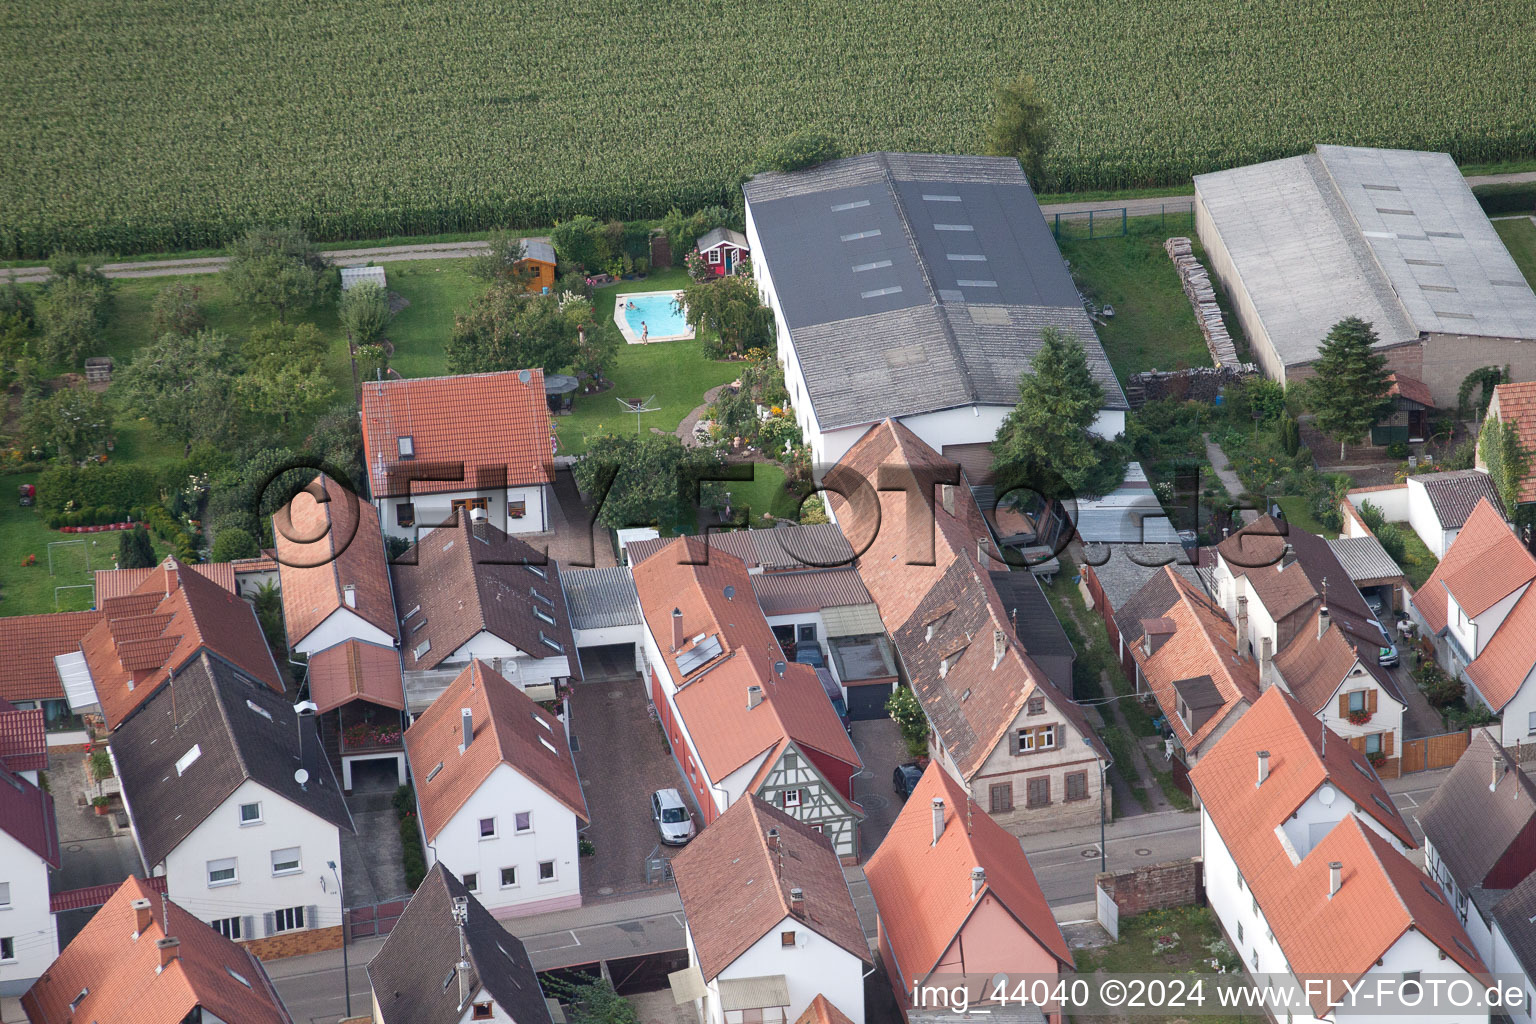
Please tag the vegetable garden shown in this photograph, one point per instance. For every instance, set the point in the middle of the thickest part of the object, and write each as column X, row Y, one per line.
column 171, row 124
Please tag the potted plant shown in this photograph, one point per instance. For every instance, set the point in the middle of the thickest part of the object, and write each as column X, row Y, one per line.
column 1358, row 717
column 1377, row 759
column 100, row 805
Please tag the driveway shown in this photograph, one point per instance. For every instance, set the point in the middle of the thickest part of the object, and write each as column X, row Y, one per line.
column 575, row 540
column 880, row 747
column 372, row 858
column 1420, row 719
column 91, row 852
column 622, row 758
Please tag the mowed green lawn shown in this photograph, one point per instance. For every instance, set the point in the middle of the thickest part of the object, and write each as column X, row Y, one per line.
column 1519, row 235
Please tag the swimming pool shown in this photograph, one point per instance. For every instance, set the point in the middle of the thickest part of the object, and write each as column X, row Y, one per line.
column 653, row 317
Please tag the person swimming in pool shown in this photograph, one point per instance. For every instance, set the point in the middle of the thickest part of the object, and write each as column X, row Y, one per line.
column 630, row 304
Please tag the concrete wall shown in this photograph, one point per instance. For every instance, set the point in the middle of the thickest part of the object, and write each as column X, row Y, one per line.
column 25, row 920
column 553, row 837
column 1174, row 883
column 341, row 625
column 257, row 891
column 1223, row 270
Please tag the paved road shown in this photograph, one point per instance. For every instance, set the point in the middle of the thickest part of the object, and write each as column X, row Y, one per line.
column 458, row 250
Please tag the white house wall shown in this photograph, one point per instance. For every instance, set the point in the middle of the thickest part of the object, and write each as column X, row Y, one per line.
column 26, row 919
column 814, row 965
column 341, row 625
column 1519, row 721
column 1488, row 622
column 257, row 891
column 1301, row 828
column 1388, row 716
column 435, row 509
column 501, row 796
column 510, row 660
column 613, row 635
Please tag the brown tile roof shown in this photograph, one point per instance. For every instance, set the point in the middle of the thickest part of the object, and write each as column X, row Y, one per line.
column 785, row 593
column 28, row 645
column 1383, row 894
column 23, row 739
column 117, row 582
column 735, row 889
column 1516, row 915
column 1413, row 390
column 1454, row 494
column 242, row 731
column 123, row 984
column 1485, row 564
column 712, row 695
column 407, row 972
column 1506, row 662
column 331, row 556
column 1203, row 644
column 264, row 562
column 467, row 577
column 1480, row 834
column 356, row 670
column 1314, row 666
column 495, row 424
column 1517, row 405
column 508, row 728
column 26, row 815
column 1257, row 551
column 822, row 1012
column 148, row 635
column 923, row 888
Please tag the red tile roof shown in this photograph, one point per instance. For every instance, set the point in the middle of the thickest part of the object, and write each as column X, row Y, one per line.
column 1203, row 643
column 712, row 696
column 331, row 556
column 121, row 980
column 28, row 645
column 26, row 815
column 1516, row 404
column 508, row 728
column 23, row 739
column 1485, row 564
column 496, row 424
column 923, row 888
column 117, row 582
column 1381, row 896
column 1507, row 659
column 821, row 1011
column 735, row 887
column 146, row 636
column 265, row 562
column 1314, row 666
column 356, row 670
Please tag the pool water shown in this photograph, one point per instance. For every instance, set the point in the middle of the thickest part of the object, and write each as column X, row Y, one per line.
column 656, row 311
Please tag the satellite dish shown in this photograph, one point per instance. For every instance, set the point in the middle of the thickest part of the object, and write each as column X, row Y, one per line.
column 1325, row 796
column 730, row 593
column 524, row 376
column 301, row 776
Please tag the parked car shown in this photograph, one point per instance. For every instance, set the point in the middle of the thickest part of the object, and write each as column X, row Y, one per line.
column 671, row 816
column 1374, row 603
column 808, row 652
column 1387, row 657
column 835, row 695
column 905, row 778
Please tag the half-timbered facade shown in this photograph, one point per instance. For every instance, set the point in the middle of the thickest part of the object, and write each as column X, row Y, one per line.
column 741, row 719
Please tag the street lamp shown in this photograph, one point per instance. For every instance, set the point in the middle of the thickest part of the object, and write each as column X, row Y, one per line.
column 346, row 974
column 1105, row 764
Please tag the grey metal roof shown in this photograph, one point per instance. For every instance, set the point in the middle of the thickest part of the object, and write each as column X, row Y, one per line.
column 601, row 598
column 913, row 283
column 1392, row 236
column 1455, row 493
column 713, row 238
column 538, row 249
column 787, row 593
column 815, row 545
column 1364, row 558
column 1199, row 693
column 1433, row 241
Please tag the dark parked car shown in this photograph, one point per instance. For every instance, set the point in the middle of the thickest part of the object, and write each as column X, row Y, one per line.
column 835, row 695
column 905, row 778
column 808, row 652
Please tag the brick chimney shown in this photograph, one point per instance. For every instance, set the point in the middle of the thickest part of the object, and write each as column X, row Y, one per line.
column 677, row 628
column 169, row 949
column 1244, row 645
column 467, row 724
column 773, row 839
column 1266, row 652
column 797, row 901
column 1263, row 768
column 938, row 819
column 143, row 915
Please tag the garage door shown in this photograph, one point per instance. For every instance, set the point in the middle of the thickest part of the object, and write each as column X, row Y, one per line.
column 607, row 661
column 867, row 702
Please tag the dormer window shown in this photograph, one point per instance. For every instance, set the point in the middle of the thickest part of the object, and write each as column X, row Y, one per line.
column 949, row 663
column 406, row 446
column 543, row 616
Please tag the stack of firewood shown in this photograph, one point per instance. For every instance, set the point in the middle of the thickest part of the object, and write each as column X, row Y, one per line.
column 1202, row 295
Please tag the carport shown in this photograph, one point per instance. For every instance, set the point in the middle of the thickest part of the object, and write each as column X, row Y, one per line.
column 605, row 621
column 1374, row 572
column 862, row 658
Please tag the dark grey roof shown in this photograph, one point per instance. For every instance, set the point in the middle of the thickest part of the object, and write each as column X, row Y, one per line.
column 409, row 971
column 1516, row 915
column 818, row 545
column 713, row 238
column 538, row 249
column 913, row 283
column 242, row 730
column 1034, row 621
column 1123, row 578
column 1454, row 494
column 1199, row 693
column 1471, row 826
column 601, row 598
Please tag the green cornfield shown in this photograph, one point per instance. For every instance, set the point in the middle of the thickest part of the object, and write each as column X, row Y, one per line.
column 149, row 125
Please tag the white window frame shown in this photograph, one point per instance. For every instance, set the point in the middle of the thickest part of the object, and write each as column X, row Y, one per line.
column 1530, row 726
column 258, row 820
column 518, row 829
column 502, row 877
column 1048, row 736
column 715, row 256
column 1379, row 746
column 554, row 872
column 230, row 927
column 492, row 834
column 294, row 914
column 471, row 881
column 792, row 798
column 233, row 866
column 298, row 862
column 1364, row 703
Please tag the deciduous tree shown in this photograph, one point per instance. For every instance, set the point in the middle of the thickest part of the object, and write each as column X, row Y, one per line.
column 72, row 423
column 732, row 309
column 510, row 330
column 176, row 310
column 72, row 313
column 654, row 479
column 1021, row 127
column 233, row 543
column 181, row 384
column 279, row 269
column 498, row 262
column 364, row 313
column 1347, row 391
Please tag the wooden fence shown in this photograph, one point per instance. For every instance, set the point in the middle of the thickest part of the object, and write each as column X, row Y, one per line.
column 1430, row 752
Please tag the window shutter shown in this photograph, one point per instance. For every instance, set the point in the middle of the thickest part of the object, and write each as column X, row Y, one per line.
column 268, row 923
column 1344, row 705
column 1370, row 700
column 1386, row 744
column 1358, row 742
column 1013, row 742
column 312, row 916
column 248, row 927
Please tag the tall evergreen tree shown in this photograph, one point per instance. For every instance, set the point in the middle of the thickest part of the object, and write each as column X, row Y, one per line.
column 135, row 550
column 1347, row 391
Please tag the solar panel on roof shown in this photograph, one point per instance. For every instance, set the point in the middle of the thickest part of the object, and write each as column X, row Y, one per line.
column 953, row 227
column 977, row 284
column 965, row 257
column 698, row 655
column 940, row 199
